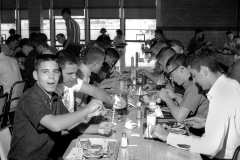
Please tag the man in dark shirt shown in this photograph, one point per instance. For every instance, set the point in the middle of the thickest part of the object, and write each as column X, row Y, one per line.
column 111, row 59
column 28, row 67
column 195, row 42
column 41, row 117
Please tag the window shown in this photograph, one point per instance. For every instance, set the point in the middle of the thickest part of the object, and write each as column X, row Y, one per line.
column 137, row 27
column 25, row 28
column 111, row 26
column 60, row 26
column 5, row 27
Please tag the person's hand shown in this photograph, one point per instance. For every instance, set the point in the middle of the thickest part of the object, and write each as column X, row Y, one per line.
column 94, row 105
column 121, row 104
column 159, row 132
column 160, row 80
column 163, row 94
column 124, row 76
column 196, row 122
column 105, row 128
column 148, row 87
column 170, row 93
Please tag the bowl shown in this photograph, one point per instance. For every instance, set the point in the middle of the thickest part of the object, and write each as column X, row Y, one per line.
column 152, row 107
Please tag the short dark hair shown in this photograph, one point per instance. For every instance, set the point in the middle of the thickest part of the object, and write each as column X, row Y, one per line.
column 119, row 31
column 174, row 42
column 41, row 39
column 198, row 30
column 12, row 31
column 11, row 39
column 159, row 31
column 68, row 57
column 25, row 42
column 42, row 58
column 163, row 52
column 236, row 37
column 60, row 34
column 92, row 55
column 112, row 53
column 203, row 57
column 66, row 10
column 228, row 32
column 177, row 60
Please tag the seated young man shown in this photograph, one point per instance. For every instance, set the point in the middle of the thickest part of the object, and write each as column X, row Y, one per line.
column 222, row 128
column 28, row 66
column 40, row 115
column 112, row 57
column 192, row 103
column 70, row 83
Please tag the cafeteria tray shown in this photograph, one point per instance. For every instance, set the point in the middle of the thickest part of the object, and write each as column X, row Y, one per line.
column 112, row 143
column 169, row 124
column 167, row 115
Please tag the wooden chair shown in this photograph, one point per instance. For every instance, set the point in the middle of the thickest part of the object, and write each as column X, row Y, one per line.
column 4, row 108
column 5, row 140
column 16, row 92
column 236, row 156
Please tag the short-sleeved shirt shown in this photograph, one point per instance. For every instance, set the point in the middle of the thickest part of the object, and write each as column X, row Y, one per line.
column 30, row 139
column 195, row 102
column 67, row 94
column 9, row 72
column 74, row 29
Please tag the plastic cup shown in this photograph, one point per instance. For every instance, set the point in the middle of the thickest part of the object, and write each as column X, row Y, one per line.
column 151, row 119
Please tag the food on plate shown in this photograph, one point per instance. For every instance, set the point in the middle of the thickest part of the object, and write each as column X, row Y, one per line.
column 165, row 109
column 173, row 128
column 92, row 152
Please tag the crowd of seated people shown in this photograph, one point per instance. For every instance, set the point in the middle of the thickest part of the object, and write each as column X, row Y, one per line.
column 56, row 106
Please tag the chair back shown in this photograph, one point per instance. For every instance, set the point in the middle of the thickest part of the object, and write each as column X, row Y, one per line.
column 236, row 155
column 4, row 108
column 1, row 89
column 16, row 92
column 5, row 140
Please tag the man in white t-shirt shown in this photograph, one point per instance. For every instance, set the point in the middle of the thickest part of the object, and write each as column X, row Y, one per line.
column 69, row 84
column 222, row 127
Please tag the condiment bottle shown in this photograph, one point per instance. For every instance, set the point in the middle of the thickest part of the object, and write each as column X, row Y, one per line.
column 124, row 140
column 139, row 113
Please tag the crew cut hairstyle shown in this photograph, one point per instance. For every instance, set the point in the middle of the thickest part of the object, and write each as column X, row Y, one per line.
column 60, row 34
column 112, row 53
column 203, row 57
column 163, row 52
column 92, row 55
column 43, row 58
column 66, row 57
column 177, row 60
column 66, row 10
column 174, row 42
column 11, row 39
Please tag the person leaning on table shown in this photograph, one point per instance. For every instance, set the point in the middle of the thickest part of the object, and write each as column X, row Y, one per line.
column 222, row 128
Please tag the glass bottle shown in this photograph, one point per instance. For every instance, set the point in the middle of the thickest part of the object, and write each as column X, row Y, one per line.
column 124, row 140
column 139, row 113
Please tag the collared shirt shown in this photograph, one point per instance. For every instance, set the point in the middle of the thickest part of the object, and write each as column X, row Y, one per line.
column 86, row 72
column 30, row 139
column 222, row 128
column 9, row 72
column 67, row 94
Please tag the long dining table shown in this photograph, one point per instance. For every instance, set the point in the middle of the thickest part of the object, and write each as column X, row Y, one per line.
column 143, row 149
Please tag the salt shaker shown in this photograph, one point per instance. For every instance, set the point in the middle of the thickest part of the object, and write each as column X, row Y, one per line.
column 124, row 140
column 139, row 113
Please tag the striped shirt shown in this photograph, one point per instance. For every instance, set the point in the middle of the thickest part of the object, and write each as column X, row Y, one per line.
column 74, row 30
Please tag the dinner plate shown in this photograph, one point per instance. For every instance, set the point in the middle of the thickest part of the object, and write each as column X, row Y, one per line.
column 92, row 153
column 178, row 131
